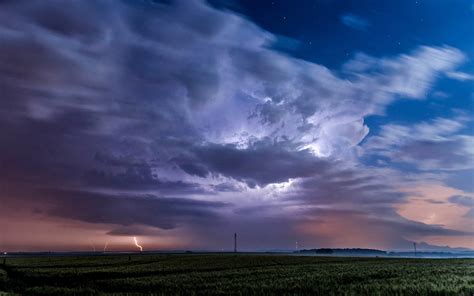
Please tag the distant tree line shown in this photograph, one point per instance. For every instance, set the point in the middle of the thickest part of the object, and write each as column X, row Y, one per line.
column 343, row 251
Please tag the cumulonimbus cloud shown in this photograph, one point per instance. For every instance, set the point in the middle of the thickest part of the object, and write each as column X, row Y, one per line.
column 177, row 99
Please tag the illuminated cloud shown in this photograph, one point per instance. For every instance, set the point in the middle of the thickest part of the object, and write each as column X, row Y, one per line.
column 143, row 118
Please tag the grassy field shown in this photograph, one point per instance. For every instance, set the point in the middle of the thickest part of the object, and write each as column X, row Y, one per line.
column 240, row 274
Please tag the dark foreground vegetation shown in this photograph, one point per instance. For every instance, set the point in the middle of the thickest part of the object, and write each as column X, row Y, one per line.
column 240, row 274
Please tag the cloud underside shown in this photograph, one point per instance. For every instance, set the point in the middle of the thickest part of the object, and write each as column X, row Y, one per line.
column 182, row 116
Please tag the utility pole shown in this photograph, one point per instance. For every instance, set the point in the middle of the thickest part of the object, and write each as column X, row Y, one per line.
column 414, row 246
column 235, row 242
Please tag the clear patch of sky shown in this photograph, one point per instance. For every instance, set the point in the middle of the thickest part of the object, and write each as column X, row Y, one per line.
column 393, row 27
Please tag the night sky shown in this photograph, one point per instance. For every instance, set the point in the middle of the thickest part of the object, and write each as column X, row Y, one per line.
column 323, row 122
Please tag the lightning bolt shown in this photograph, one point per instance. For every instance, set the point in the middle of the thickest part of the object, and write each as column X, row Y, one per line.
column 92, row 245
column 136, row 244
column 105, row 247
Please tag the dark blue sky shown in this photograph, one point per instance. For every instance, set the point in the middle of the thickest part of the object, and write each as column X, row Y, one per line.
column 393, row 27
column 331, row 123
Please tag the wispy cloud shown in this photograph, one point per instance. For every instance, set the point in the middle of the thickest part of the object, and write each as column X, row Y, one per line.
column 461, row 76
column 465, row 201
column 462, row 200
column 355, row 22
column 425, row 145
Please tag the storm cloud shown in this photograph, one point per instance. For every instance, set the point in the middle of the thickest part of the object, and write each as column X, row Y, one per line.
column 261, row 163
column 140, row 116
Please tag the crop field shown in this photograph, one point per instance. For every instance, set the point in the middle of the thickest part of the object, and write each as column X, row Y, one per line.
column 234, row 274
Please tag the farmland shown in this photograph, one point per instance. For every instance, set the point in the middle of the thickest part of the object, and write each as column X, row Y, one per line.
column 234, row 274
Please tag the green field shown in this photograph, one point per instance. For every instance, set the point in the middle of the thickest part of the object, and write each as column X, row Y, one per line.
column 240, row 274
